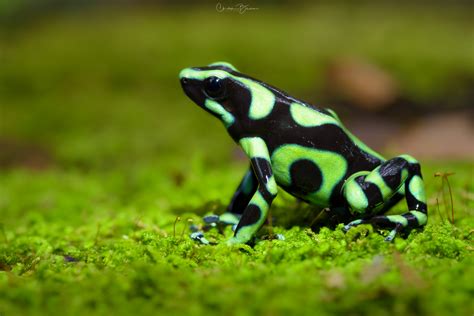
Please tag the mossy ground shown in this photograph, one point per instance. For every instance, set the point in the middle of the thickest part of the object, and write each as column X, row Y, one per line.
column 96, row 231
column 90, row 243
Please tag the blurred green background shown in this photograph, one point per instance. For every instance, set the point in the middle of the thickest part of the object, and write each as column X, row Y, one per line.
column 95, row 85
column 100, row 151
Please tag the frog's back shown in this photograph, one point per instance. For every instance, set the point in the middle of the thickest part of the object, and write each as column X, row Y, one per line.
column 312, row 153
column 282, row 119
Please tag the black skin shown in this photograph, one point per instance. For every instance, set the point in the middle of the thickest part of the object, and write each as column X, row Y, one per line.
column 278, row 128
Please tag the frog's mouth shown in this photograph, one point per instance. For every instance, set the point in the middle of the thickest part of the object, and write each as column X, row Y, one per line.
column 192, row 88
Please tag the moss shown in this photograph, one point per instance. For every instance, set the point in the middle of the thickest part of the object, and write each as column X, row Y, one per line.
column 131, row 260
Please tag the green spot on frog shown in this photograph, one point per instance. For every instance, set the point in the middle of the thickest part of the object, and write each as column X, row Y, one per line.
column 332, row 165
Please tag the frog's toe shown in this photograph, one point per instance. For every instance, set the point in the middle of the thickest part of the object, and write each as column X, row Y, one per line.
column 280, row 237
column 221, row 220
column 229, row 218
column 393, row 233
column 390, row 236
column 352, row 224
column 194, row 228
column 273, row 237
column 199, row 236
column 211, row 219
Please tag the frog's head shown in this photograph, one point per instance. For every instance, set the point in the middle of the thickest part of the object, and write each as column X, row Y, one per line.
column 211, row 87
column 224, row 92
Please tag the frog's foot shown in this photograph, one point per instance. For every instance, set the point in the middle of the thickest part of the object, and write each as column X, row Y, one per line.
column 220, row 221
column 358, row 222
column 374, row 192
column 396, row 223
column 213, row 221
column 354, row 223
column 199, row 236
column 393, row 233
column 273, row 237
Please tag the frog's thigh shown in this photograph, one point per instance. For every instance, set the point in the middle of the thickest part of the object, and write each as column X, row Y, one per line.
column 368, row 192
column 308, row 171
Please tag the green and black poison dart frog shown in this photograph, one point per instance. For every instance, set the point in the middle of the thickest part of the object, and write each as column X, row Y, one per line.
column 306, row 151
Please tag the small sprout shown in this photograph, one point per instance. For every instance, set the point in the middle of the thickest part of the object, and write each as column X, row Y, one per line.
column 174, row 225
column 189, row 220
column 444, row 180
column 439, row 212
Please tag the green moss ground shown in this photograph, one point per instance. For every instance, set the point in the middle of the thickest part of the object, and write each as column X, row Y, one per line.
column 127, row 255
column 96, row 230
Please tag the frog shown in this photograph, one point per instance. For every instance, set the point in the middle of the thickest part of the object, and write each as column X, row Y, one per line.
column 308, row 152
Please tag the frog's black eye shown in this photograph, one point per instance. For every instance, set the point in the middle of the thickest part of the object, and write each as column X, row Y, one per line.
column 214, row 87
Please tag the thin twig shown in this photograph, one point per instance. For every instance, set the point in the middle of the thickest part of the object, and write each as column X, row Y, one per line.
column 451, row 197
column 439, row 212
column 444, row 178
column 174, row 225
column 189, row 220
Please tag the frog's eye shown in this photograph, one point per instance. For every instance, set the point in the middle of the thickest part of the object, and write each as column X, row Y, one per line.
column 214, row 87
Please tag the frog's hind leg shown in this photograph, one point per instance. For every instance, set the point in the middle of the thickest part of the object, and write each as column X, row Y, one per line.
column 369, row 193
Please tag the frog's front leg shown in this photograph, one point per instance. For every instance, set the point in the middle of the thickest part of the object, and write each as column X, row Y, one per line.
column 256, row 210
column 369, row 192
column 241, row 198
column 236, row 207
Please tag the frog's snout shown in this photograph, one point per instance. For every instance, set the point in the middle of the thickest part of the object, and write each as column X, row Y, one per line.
column 190, row 86
column 186, row 85
column 183, row 76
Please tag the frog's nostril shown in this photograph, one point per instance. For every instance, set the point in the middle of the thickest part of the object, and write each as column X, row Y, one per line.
column 184, row 80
